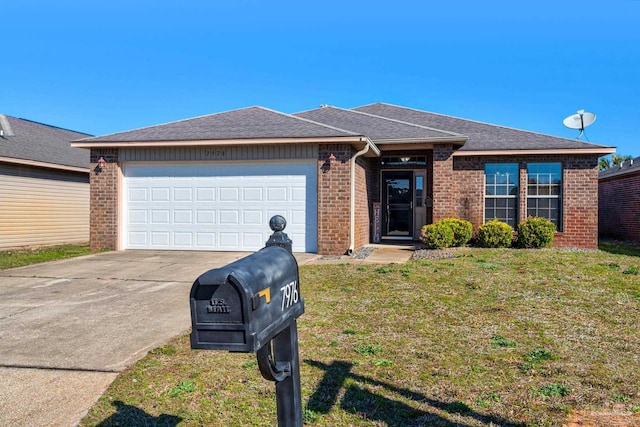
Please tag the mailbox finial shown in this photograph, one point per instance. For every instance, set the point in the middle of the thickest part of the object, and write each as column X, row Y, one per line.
column 279, row 237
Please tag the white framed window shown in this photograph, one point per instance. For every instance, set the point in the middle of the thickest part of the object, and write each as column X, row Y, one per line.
column 501, row 192
column 544, row 192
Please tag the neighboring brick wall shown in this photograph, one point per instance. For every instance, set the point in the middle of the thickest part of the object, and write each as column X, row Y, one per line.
column 580, row 195
column 333, row 199
column 620, row 206
column 104, row 200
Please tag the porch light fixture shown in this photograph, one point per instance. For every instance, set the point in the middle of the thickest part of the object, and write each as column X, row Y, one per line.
column 405, row 159
column 100, row 165
column 332, row 158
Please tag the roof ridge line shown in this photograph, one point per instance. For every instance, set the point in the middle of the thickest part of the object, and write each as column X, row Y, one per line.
column 483, row 123
column 312, row 122
column 44, row 124
column 170, row 122
column 402, row 122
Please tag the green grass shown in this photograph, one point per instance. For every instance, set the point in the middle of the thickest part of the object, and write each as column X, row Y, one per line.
column 22, row 257
column 440, row 343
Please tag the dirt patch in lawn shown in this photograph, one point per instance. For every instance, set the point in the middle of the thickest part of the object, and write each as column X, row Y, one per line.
column 616, row 416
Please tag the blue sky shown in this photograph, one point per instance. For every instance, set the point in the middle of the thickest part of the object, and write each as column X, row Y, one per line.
column 114, row 66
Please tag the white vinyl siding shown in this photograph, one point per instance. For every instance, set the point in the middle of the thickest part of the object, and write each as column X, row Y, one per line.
column 42, row 207
column 222, row 206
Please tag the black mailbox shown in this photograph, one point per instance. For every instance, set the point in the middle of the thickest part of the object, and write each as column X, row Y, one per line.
column 243, row 305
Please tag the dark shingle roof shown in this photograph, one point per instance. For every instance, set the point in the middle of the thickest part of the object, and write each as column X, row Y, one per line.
column 246, row 123
column 482, row 136
column 628, row 166
column 375, row 127
column 34, row 141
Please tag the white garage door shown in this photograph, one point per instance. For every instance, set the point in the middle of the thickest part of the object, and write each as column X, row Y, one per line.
column 225, row 207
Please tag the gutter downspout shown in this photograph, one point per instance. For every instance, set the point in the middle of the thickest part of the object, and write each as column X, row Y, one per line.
column 352, row 231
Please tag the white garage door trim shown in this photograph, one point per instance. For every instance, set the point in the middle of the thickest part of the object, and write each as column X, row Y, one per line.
column 221, row 206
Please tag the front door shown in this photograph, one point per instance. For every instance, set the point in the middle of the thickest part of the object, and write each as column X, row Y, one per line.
column 397, row 205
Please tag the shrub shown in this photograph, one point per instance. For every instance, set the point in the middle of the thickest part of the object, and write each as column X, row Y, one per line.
column 536, row 232
column 437, row 236
column 495, row 234
column 462, row 230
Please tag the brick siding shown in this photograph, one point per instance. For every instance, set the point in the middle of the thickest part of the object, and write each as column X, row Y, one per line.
column 620, row 206
column 444, row 183
column 333, row 199
column 464, row 198
column 103, row 204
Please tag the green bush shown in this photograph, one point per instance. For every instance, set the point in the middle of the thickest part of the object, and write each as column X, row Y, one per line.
column 495, row 234
column 536, row 232
column 437, row 236
column 462, row 230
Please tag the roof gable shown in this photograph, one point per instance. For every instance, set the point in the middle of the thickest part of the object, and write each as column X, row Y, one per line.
column 246, row 123
column 482, row 136
column 37, row 142
column 376, row 128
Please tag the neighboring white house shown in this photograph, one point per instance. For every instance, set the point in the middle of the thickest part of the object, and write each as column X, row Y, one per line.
column 44, row 185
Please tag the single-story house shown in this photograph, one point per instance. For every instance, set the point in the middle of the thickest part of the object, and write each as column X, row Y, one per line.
column 341, row 177
column 619, row 195
column 44, row 185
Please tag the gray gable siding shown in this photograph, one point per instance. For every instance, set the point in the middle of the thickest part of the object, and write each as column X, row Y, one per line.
column 42, row 143
column 482, row 136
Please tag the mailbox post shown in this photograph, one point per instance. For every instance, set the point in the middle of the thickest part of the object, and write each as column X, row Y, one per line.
column 251, row 306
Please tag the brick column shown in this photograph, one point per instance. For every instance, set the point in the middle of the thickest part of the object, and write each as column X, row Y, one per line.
column 580, row 203
column 333, row 199
column 103, row 221
column 444, row 184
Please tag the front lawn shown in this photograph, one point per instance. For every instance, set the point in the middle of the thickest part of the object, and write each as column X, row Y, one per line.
column 21, row 257
column 493, row 337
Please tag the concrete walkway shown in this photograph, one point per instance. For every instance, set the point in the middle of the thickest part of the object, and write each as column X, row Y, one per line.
column 67, row 328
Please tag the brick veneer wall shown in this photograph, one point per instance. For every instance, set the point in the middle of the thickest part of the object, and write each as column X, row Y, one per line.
column 465, row 198
column 333, row 199
column 444, row 184
column 619, row 206
column 366, row 189
column 103, row 204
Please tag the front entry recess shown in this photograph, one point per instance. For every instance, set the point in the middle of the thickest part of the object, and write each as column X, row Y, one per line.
column 397, row 201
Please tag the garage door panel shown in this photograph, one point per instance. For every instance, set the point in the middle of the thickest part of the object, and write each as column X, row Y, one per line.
column 160, row 216
column 218, row 206
column 160, row 239
column 205, row 217
column 229, row 217
column 252, row 194
column 137, row 194
column 182, row 194
column 182, row 216
column 159, row 194
column 206, row 240
column 229, row 194
column 205, row 194
column 183, row 239
column 229, row 240
column 252, row 217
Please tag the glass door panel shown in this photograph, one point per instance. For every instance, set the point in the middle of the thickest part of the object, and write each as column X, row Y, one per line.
column 397, row 199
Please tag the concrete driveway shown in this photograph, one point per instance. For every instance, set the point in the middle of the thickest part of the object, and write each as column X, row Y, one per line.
column 67, row 328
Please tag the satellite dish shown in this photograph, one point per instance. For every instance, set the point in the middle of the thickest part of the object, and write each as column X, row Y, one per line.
column 579, row 121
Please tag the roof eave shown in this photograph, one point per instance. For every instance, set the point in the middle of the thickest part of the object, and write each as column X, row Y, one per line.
column 216, row 142
column 438, row 139
column 47, row 165
column 623, row 171
column 601, row 151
